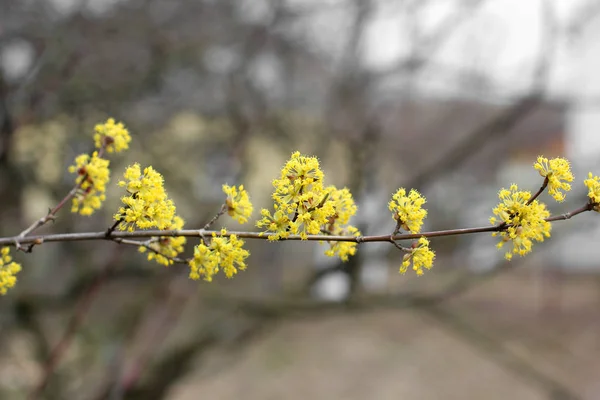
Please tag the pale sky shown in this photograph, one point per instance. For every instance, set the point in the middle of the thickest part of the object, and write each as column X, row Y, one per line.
column 501, row 38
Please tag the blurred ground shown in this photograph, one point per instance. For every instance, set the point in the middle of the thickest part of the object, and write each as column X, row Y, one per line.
column 496, row 342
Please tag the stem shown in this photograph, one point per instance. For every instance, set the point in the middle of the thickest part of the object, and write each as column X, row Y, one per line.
column 110, row 230
column 68, row 237
column 540, row 190
column 64, row 237
column 216, row 217
column 52, row 212
column 569, row 215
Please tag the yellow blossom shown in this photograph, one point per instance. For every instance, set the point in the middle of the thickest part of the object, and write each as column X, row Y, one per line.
column 343, row 204
column 337, row 224
column 147, row 205
column 163, row 249
column 92, row 176
column 420, row 256
column 343, row 249
column 558, row 172
column 301, row 205
column 8, row 270
column 407, row 210
column 238, row 203
column 279, row 224
column 525, row 222
column 222, row 253
column 593, row 185
column 301, row 181
column 113, row 136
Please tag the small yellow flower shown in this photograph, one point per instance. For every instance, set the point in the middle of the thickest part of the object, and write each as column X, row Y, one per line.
column 526, row 222
column 343, row 249
column 8, row 271
column 421, row 256
column 278, row 223
column 343, row 204
column 92, row 176
column 113, row 136
column 337, row 224
column 593, row 185
column 558, row 173
column 238, row 203
column 222, row 253
column 301, row 204
column 301, row 181
column 163, row 249
column 407, row 210
column 148, row 205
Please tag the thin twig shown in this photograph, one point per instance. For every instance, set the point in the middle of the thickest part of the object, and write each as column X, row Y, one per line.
column 69, row 237
column 405, row 249
column 51, row 213
column 571, row 214
column 110, row 230
column 51, row 216
column 64, row 237
column 540, row 190
column 216, row 217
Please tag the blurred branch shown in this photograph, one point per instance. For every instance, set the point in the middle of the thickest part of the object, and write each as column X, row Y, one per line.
column 7, row 127
column 168, row 368
column 494, row 128
column 161, row 321
column 27, row 317
column 171, row 298
column 585, row 15
column 427, row 45
column 80, row 286
column 476, row 139
column 81, row 311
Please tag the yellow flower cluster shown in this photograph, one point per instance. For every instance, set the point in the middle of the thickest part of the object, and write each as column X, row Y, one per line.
column 300, row 200
column 338, row 223
column 163, row 249
column 304, row 206
column 238, row 203
column 343, row 249
column 92, row 176
column 114, row 137
column 525, row 222
column 343, row 204
column 407, row 210
column 8, row 270
column 420, row 256
column 222, row 252
column 147, row 205
column 593, row 185
column 558, row 173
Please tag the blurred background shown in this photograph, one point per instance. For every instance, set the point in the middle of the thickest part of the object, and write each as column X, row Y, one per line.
column 453, row 97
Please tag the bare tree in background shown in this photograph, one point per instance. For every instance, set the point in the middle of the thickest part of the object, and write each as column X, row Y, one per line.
column 223, row 91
